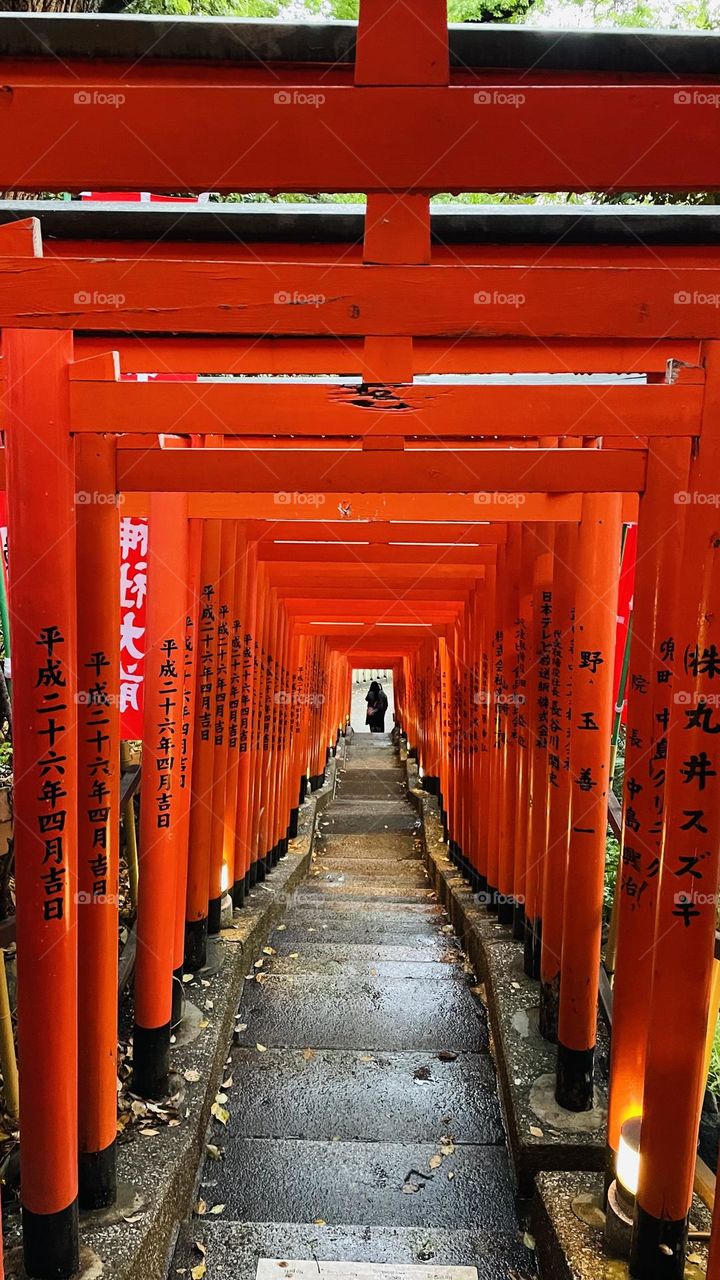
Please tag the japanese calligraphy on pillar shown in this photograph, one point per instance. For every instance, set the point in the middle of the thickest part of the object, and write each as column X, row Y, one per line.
column 206, row 659
column 51, row 722
column 133, row 596
column 167, row 731
column 95, row 724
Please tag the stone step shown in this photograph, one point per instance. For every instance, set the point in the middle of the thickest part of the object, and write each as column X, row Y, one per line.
column 390, row 846
column 369, row 818
column 365, row 784
column 360, row 957
column 363, row 962
column 233, row 1249
column 344, row 1012
column 261, row 1179
column 325, row 885
column 371, row 872
column 369, row 1097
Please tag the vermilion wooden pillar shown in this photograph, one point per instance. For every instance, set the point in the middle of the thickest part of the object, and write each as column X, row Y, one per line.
column 223, row 660
column 98, row 657
column 237, row 643
column 683, row 953
column 524, row 712
column 186, row 759
column 160, row 806
column 203, row 753
column 508, row 718
column 597, row 564
column 539, row 701
column 41, row 518
column 559, row 782
column 650, row 686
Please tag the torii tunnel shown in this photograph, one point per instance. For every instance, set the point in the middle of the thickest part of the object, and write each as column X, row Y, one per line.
column 394, row 435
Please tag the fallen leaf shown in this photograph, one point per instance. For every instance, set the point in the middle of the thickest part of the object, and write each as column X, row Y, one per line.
column 217, row 1209
column 219, row 1113
column 199, row 1271
column 409, row 1188
column 188, row 977
column 259, row 963
column 241, row 1026
column 261, row 977
column 192, row 1076
column 261, row 1048
column 227, row 1084
column 214, row 1152
column 434, row 1162
column 269, row 951
column 319, row 1222
column 528, row 1240
column 281, row 928
column 446, row 1056
column 308, row 1054
column 149, row 1133
column 221, row 1098
column 293, row 955
column 536, row 1133
column 201, row 1208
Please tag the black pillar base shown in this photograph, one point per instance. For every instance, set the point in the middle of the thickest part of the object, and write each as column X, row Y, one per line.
column 531, row 952
column 492, row 897
column 482, row 883
column 284, row 845
column 247, row 883
column 253, row 874
column 260, row 870
column 176, row 1012
column 519, row 925
column 214, row 914
column 505, row 910
column 412, row 753
column 549, row 1009
column 574, row 1085
column 303, row 790
column 658, row 1247
column 51, row 1248
column 195, row 945
column 293, row 828
column 97, row 1178
column 238, row 893
column 151, row 1061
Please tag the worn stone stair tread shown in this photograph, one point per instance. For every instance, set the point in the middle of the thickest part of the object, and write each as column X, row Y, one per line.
column 360, row 1096
column 365, row 966
column 343, row 1012
column 233, row 1248
column 373, row 871
column 391, row 847
column 323, row 885
column 361, row 1182
column 360, row 957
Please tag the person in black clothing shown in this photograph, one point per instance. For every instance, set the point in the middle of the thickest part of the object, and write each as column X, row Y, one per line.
column 377, row 706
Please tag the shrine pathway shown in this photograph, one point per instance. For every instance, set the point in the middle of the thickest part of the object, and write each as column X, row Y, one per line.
column 365, row 1124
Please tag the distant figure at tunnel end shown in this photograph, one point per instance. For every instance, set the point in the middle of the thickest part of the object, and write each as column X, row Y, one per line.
column 377, row 706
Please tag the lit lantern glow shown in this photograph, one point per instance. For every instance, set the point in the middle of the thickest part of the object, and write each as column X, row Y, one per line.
column 628, row 1156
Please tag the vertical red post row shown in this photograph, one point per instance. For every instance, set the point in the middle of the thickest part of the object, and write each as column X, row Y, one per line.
column 683, row 953
column 223, row 663
column 650, row 688
column 98, row 655
column 597, row 566
column 43, row 603
column 558, row 774
column 160, row 808
column 186, row 759
column 196, row 929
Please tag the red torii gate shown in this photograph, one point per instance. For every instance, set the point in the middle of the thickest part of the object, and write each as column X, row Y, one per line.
column 397, row 293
